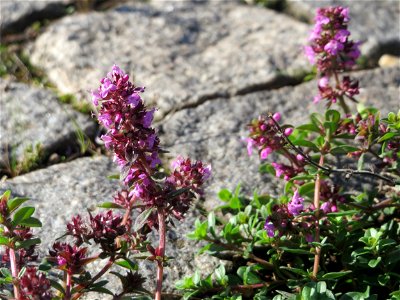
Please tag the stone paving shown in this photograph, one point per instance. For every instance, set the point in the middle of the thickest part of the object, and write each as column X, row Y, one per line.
column 209, row 67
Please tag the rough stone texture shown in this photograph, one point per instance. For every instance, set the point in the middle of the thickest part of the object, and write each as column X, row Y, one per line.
column 376, row 23
column 213, row 131
column 31, row 115
column 61, row 191
column 184, row 53
column 15, row 15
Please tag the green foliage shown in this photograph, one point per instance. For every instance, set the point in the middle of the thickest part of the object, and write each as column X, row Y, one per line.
column 358, row 261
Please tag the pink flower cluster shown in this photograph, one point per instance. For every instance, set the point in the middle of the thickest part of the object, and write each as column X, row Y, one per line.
column 136, row 150
column 282, row 216
column 123, row 113
column 264, row 136
column 333, row 52
column 189, row 178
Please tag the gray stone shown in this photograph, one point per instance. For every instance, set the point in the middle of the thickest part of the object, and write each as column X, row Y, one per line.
column 61, row 191
column 376, row 23
column 15, row 15
column 31, row 115
column 184, row 53
column 213, row 131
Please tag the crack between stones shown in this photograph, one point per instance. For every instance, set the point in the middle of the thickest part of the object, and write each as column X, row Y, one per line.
column 279, row 82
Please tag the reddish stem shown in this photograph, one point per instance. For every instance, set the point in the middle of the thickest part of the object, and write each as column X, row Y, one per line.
column 317, row 191
column 14, row 272
column 68, row 286
column 161, row 251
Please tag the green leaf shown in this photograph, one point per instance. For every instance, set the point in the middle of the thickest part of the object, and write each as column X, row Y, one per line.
column 334, row 275
column 225, row 195
column 374, row 262
column 4, row 240
column 295, row 270
column 296, row 251
column 6, row 195
column 331, row 126
column 343, row 149
column 110, row 205
column 332, row 115
column 387, row 136
column 219, row 272
column 360, row 163
column 342, row 213
column 307, row 189
column 267, row 169
column 309, row 127
column 27, row 243
column 31, row 222
column 383, row 279
column 142, row 218
column 305, row 143
column 14, row 203
column 127, row 263
column 6, row 272
column 23, row 214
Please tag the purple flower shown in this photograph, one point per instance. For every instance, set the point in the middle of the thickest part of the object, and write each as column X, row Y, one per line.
column 148, row 118
column 250, row 145
column 342, row 35
column 265, row 152
column 269, row 227
column 331, row 50
column 134, row 99
column 288, row 131
column 295, row 206
column 333, row 47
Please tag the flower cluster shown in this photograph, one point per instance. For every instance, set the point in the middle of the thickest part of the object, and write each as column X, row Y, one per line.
column 122, row 111
column 35, row 285
column 282, row 217
column 186, row 180
column 333, row 52
column 136, row 147
column 264, row 136
column 70, row 258
column 103, row 228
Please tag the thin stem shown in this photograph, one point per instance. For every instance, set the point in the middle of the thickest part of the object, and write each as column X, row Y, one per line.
column 14, row 272
column 346, row 172
column 68, row 286
column 161, row 251
column 317, row 191
column 80, row 287
column 342, row 103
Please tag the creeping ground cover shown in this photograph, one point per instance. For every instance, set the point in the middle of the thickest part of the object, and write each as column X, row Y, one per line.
column 333, row 233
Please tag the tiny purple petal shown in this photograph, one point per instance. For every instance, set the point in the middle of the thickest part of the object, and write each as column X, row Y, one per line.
column 270, row 228
column 134, row 99
column 342, row 35
column 323, row 82
column 288, row 131
column 107, row 141
column 148, row 118
column 295, row 206
column 250, row 144
column 276, row 117
column 265, row 152
column 333, row 47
